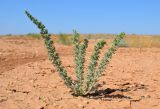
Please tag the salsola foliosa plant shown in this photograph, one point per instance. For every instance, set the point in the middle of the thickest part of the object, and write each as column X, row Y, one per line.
column 81, row 86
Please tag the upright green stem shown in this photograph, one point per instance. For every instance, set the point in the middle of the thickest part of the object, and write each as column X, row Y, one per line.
column 80, row 51
column 92, row 65
column 105, row 60
column 53, row 55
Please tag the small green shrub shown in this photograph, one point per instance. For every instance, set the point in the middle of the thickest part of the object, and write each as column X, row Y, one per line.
column 81, row 86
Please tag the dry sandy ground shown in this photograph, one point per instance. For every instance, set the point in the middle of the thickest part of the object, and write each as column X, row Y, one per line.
column 29, row 81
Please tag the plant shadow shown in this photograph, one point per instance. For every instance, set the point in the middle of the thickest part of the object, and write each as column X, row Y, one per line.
column 108, row 94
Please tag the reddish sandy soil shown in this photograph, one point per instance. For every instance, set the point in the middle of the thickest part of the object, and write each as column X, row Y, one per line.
column 29, row 81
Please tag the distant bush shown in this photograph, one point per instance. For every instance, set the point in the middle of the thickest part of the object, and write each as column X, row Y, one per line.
column 82, row 86
column 34, row 35
column 8, row 35
column 123, row 43
column 65, row 39
column 99, row 36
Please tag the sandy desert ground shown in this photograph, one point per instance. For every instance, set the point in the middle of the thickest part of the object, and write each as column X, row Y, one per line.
column 28, row 80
